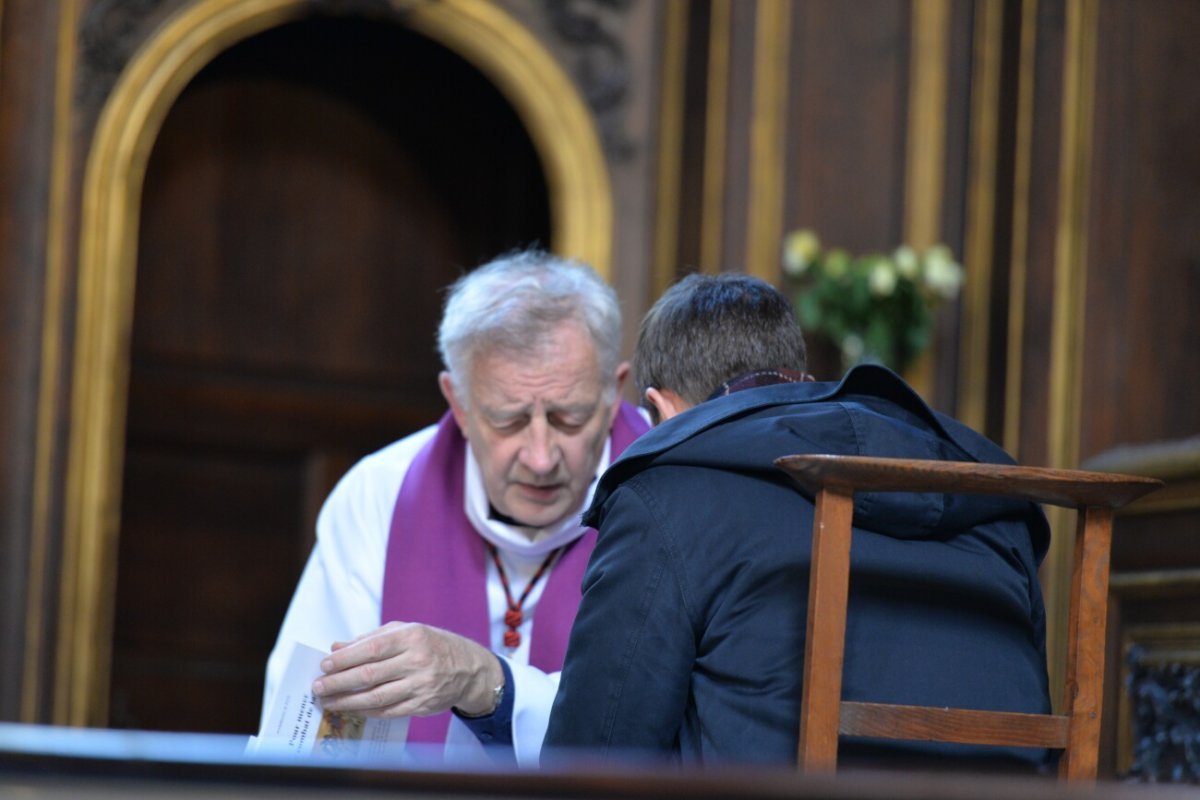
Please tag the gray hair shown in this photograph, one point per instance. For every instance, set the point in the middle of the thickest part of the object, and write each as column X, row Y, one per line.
column 708, row 329
column 510, row 304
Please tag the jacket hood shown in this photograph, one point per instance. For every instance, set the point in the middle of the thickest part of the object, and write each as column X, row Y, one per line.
column 871, row 412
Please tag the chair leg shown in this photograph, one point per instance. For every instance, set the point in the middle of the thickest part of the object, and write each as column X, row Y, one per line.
column 1083, row 698
column 826, row 640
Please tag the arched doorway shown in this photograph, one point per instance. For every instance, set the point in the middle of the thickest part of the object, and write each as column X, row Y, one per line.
column 310, row 192
column 250, row 337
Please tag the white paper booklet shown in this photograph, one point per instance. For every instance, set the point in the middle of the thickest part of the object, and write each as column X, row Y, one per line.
column 297, row 728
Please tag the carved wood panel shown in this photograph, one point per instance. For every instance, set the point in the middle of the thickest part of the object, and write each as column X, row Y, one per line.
column 1143, row 248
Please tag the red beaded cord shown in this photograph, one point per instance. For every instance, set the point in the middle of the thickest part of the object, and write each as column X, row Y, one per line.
column 513, row 617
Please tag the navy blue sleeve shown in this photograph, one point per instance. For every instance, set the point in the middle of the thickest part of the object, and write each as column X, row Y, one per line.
column 495, row 729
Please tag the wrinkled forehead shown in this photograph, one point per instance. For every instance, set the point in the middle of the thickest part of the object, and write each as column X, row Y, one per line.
column 538, row 364
column 567, row 344
column 556, row 373
column 558, row 365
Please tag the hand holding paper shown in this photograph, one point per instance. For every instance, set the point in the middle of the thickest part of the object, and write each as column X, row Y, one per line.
column 406, row 669
column 299, row 726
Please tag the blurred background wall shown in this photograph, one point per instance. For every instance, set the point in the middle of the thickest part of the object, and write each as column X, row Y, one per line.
column 225, row 225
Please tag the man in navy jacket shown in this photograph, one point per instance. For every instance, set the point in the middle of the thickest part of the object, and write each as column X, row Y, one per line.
column 690, row 637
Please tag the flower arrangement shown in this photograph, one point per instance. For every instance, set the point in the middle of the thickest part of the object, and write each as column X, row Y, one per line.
column 875, row 307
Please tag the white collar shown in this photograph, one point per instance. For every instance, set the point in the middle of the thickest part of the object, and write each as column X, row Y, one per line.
column 515, row 540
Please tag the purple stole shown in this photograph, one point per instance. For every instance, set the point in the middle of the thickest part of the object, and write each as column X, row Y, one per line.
column 436, row 567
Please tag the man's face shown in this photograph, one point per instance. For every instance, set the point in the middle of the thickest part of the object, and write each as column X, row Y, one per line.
column 537, row 423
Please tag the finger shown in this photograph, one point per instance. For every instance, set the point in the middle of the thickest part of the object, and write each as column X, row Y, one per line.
column 400, row 698
column 377, row 645
column 359, row 678
column 384, row 701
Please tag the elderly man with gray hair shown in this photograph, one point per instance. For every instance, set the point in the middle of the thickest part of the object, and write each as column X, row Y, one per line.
column 446, row 572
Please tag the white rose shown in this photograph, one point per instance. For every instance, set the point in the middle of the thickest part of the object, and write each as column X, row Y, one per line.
column 800, row 250
column 906, row 261
column 882, row 279
column 942, row 275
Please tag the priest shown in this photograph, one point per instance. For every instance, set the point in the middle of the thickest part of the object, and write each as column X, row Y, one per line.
column 447, row 566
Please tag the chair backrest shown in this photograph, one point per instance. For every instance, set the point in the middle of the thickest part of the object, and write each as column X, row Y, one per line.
column 833, row 480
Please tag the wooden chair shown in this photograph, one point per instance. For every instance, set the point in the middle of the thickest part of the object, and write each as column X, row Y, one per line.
column 833, row 480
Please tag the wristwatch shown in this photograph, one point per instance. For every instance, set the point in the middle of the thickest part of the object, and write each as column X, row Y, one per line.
column 497, row 696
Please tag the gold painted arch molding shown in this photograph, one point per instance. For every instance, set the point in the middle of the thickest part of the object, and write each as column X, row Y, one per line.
column 548, row 104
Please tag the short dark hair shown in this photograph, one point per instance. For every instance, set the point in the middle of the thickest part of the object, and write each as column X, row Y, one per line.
column 708, row 329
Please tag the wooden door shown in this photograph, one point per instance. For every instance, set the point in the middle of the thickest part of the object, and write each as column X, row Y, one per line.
column 310, row 194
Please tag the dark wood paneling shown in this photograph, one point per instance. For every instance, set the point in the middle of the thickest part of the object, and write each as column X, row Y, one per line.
column 739, row 157
column 309, row 196
column 847, row 122
column 207, row 560
column 692, row 144
column 954, row 187
column 1002, row 219
column 28, row 50
column 960, row 60
column 1042, row 221
column 1167, row 540
column 195, row 406
column 1144, row 234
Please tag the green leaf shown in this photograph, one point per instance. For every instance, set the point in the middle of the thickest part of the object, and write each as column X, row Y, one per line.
column 808, row 310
